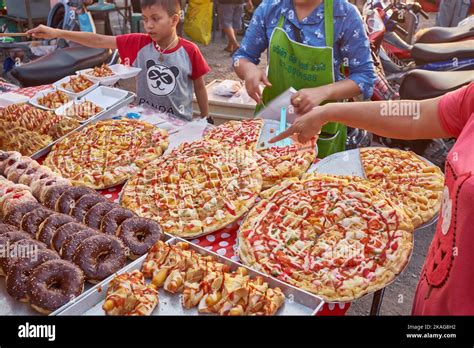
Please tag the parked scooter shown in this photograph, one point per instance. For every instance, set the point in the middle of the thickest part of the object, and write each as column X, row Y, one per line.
column 413, row 84
column 68, row 57
column 398, row 56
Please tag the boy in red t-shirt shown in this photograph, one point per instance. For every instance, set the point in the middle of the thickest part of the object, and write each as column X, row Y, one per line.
column 445, row 287
column 171, row 66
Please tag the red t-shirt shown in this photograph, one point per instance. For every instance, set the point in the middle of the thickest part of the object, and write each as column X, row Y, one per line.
column 165, row 82
column 445, row 287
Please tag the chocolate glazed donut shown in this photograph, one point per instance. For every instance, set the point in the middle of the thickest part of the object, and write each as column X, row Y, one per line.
column 8, row 239
column 65, row 231
column 19, row 273
column 95, row 214
column 72, row 242
column 18, row 250
column 53, row 284
column 112, row 220
column 16, row 214
column 100, row 256
column 5, row 228
column 84, row 203
column 32, row 220
column 51, row 196
column 68, row 199
column 48, row 227
column 139, row 235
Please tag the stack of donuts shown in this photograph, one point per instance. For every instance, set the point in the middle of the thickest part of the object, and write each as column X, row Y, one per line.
column 35, row 274
column 78, row 223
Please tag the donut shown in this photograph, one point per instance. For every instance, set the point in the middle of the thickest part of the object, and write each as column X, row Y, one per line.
column 95, row 214
column 112, row 220
column 8, row 239
column 7, row 159
column 84, row 203
column 68, row 199
column 48, row 227
column 65, row 231
column 18, row 250
column 100, row 256
column 12, row 199
column 32, row 220
column 5, row 228
column 14, row 172
column 53, row 284
column 19, row 273
column 40, row 187
column 139, row 235
column 15, row 215
column 72, row 242
column 52, row 195
column 33, row 174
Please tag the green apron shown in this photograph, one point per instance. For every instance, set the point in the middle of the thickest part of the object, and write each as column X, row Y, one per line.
column 293, row 64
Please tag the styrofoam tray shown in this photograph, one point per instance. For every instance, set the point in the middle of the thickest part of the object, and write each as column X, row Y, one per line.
column 105, row 97
column 11, row 98
column 34, row 100
column 124, row 71
column 57, row 85
column 105, row 81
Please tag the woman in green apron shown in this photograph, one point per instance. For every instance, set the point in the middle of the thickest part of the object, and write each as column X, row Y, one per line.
column 309, row 44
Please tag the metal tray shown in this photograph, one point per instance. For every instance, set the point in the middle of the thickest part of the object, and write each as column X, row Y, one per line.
column 297, row 302
column 349, row 163
column 10, row 306
column 108, row 113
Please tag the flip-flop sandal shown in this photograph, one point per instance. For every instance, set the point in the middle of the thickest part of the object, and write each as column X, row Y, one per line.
column 227, row 49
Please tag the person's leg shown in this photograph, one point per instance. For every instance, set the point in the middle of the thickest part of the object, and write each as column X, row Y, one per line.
column 446, row 12
column 225, row 19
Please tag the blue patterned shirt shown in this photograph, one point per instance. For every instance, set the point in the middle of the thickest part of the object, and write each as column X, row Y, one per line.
column 350, row 40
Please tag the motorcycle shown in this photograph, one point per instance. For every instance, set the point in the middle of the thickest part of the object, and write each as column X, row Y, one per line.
column 67, row 57
column 397, row 56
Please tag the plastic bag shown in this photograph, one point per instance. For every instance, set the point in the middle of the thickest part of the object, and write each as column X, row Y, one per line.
column 198, row 21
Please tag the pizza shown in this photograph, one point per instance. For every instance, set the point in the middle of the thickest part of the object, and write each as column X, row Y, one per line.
column 196, row 189
column 243, row 134
column 208, row 284
column 333, row 236
column 128, row 294
column 280, row 163
column 107, row 153
column 408, row 180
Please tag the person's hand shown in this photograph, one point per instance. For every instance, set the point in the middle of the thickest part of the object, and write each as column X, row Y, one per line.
column 305, row 128
column 43, row 32
column 308, row 98
column 253, row 79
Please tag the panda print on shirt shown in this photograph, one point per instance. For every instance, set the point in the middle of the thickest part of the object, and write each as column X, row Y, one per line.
column 161, row 79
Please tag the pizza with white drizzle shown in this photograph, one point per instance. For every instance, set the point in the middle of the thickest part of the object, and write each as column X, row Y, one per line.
column 332, row 236
column 107, row 153
column 196, row 189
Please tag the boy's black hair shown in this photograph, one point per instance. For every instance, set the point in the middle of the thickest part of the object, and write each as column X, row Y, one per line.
column 171, row 6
